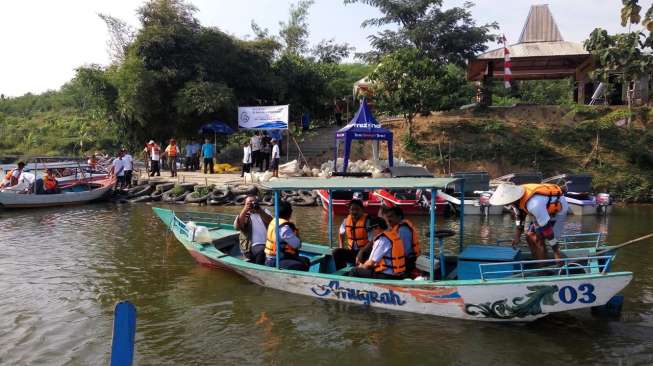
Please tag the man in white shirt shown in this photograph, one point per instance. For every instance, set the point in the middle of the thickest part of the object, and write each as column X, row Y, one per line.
column 255, row 142
column 387, row 259
column 252, row 222
column 118, row 170
column 275, row 158
column 247, row 159
column 546, row 204
column 128, row 162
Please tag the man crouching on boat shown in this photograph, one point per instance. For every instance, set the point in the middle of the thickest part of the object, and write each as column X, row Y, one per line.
column 387, row 259
column 546, row 204
column 290, row 243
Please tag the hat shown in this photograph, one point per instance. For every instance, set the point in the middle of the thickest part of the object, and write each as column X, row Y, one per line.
column 506, row 193
column 151, row 142
column 273, row 140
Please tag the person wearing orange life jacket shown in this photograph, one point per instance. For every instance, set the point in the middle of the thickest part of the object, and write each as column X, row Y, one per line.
column 12, row 177
column 546, row 204
column 354, row 236
column 406, row 231
column 289, row 257
column 387, row 259
column 50, row 184
column 171, row 152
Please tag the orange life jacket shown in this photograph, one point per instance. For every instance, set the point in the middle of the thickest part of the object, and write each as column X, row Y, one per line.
column 11, row 173
column 415, row 238
column 397, row 255
column 271, row 242
column 172, row 150
column 543, row 189
column 356, row 232
column 49, row 183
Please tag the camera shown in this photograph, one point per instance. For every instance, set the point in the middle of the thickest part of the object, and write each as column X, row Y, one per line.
column 255, row 206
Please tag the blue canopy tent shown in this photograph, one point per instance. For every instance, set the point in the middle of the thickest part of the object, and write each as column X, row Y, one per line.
column 362, row 127
column 217, row 128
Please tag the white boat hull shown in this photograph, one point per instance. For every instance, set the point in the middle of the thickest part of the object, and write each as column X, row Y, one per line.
column 524, row 300
column 17, row 200
column 584, row 207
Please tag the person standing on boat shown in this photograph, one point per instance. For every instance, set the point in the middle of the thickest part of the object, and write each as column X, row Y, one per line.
column 406, row 231
column 290, row 242
column 387, row 259
column 155, row 156
column 171, row 152
column 354, row 236
column 12, row 177
column 546, row 204
column 253, row 222
column 128, row 162
column 118, row 170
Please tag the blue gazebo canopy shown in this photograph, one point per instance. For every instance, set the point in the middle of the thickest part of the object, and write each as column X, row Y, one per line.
column 216, row 127
column 362, row 127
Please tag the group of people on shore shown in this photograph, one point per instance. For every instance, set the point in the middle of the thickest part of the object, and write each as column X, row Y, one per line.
column 262, row 152
column 192, row 153
column 387, row 246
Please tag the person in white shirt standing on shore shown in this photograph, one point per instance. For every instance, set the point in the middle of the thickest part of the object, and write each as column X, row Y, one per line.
column 247, row 158
column 275, row 158
column 255, row 142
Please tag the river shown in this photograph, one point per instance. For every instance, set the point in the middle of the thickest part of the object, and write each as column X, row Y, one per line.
column 62, row 270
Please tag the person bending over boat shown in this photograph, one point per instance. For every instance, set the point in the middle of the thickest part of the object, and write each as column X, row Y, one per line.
column 354, row 236
column 12, row 177
column 387, row 259
column 546, row 204
column 290, row 242
column 407, row 233
column 252, row 222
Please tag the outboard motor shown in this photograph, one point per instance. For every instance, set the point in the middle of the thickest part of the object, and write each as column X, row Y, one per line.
column 602, row 203
column 484, row 202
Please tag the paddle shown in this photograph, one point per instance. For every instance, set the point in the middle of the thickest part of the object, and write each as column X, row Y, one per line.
column 625, row 244
column 124, row 330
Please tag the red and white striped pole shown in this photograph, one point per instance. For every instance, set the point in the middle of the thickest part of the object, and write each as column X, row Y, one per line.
column 507, row 64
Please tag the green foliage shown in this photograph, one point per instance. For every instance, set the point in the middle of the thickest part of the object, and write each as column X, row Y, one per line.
column 294, row 32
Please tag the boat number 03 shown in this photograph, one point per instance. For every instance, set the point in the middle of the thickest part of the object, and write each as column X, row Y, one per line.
column 584, row 294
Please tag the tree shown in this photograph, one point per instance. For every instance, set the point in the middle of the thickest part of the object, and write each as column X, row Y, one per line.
column 294, row 32
column 330, row 52
column 120, row 36
column 627, row 55
column 407, row 83
column 444, row 36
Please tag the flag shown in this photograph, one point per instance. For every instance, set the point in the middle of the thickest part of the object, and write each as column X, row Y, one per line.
column 507, row 64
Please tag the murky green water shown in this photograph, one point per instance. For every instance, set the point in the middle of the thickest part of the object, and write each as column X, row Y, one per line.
column 62, row 270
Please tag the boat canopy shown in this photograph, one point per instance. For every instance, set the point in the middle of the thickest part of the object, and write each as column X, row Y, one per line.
column 347, row 183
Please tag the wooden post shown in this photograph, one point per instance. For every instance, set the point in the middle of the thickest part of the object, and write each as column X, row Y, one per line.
column 581, row 91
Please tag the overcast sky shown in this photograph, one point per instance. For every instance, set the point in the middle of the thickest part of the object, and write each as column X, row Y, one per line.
column 43, row 41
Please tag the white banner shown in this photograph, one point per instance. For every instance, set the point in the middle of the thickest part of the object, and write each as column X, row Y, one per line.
column 263, row 118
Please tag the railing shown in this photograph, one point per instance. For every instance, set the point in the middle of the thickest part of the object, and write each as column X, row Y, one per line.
column 206, row 217
column 563, row 267
column 582, row 239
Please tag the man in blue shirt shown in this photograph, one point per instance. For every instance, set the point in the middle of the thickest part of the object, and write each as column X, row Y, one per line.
column 191, row 152
column 208, row 151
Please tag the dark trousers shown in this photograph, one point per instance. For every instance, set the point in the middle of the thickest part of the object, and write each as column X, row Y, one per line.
column 128, row 178
column 289, row 261
column 154, row 168
column 257, row 254
column 265, row 160
column 208, row 162
column 246, row 169
column 196, row 163
column 255, row 157
column 369, row 273
column 342, row 257
column 188, row 162
column 172, row 165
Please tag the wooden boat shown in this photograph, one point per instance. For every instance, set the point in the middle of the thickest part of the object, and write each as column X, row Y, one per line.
column 488, row 283
column 71, row 194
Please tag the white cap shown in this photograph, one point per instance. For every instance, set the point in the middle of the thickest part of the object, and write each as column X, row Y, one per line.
column 151, row 142
column 506, row 193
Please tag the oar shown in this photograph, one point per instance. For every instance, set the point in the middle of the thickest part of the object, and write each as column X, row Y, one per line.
column 625, row 244
column 124, row 330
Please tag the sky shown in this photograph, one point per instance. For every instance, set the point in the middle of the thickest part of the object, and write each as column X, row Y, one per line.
column 43, row 41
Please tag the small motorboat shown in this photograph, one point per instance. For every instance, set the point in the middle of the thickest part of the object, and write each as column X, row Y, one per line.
column 340, row 201
column 411, row 201
column 72, row 193
column 477, row 194
column 518, row 178
column 578, row 191
column 483, row 282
